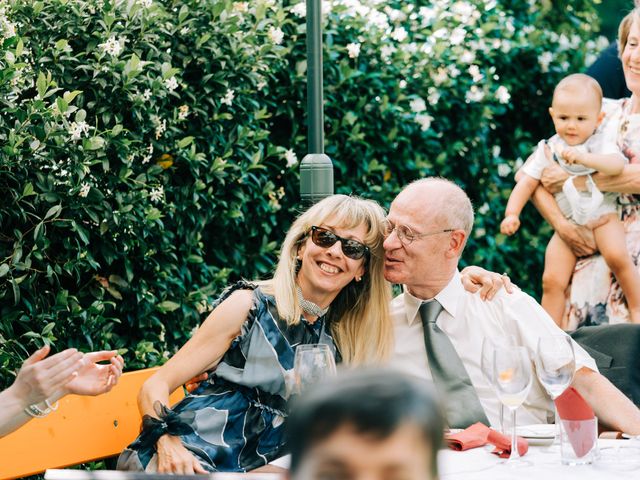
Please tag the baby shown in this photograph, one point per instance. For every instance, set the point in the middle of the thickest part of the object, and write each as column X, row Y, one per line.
column 580, row 150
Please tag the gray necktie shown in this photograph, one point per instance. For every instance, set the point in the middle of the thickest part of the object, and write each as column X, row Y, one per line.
column 462, row 407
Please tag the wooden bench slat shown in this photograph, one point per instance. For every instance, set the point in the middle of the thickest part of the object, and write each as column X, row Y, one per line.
column 83, row 429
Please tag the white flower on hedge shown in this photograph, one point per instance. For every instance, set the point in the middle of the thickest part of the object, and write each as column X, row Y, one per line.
column 171, row 84
column 467, row 56
column 457, row 36
column 261, row 84
column 464, row 10
column 276, row 35
column 183, row 112
column 441, row 34
column 427, row 15
column 495, row 151
column 417, row 105
column 434, row 96
column 474, row 71
column 8, row 29
column 378, row 20
column 504, row 170
column 290, row 157
column 112, row 46
column 156, row 195
column 241, row 7
column 474, row 94
column 483, row 209
column 410, row 47
column 399, row 34
column 395, row 15
column 78, row 129
column 84, row 190
column 145, row 3
column 228, row 97
column 299, row 9
column 454, row 71
column 441, row 76
column 424, row 121
column 387, row 50
column 545, row 60
column 402, row 84
column 161, row 127
column 502, row 94
column 354, row 50
column 146, row 95
column 184, row 30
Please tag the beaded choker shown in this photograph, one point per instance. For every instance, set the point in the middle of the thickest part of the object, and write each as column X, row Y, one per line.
column 310, row 307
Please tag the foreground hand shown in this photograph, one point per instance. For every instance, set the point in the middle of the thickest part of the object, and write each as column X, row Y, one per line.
column 173, row 457
column 510, row 225
column 94, row 378
column 40, row 377
column 488, row 283
column 553, row 177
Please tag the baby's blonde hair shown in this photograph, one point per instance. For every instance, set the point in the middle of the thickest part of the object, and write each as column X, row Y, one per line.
column 581, row 84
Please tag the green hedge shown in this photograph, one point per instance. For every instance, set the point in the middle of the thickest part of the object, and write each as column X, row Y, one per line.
column 149, row 149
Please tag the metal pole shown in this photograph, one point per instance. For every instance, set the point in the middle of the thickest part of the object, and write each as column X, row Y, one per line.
column 316, row 168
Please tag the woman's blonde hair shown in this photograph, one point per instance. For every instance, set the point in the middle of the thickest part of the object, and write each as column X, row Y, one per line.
column 625, row 28
column 359, row 315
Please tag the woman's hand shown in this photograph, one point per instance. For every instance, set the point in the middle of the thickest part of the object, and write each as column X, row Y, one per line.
column 488, row 283
column 93, row 378
column 553, row 177
column 40, row 377
column 173, row 457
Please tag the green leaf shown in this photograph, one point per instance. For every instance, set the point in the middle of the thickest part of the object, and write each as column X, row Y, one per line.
column 167, row 306
column 53, row 212
column 62, row 105
column 48, row 328
column 119, row 281
column 70, row 96
column 41, row 85
column 115, row 131
column 28, row 190
column 4, row 269
column 93, row 143
column 186, row 141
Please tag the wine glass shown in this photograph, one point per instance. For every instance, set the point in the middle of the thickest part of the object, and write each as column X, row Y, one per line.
column 512, row 374
column 311, row 364
column 555, row 365
column 490, row 345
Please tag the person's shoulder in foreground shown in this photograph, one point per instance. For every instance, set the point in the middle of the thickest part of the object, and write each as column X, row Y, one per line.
column 374, row 424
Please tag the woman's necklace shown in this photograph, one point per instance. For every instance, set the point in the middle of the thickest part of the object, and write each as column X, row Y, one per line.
column 310, row 307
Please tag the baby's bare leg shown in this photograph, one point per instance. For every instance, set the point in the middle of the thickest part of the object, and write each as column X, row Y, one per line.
column 611, row 241
column 559, row 262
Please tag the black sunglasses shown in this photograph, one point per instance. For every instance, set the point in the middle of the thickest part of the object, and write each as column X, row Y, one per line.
column 326, row 238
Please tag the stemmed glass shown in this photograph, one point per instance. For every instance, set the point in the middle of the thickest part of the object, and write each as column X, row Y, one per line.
column 555, row 365
column 311, row 364
column 512, row 373
column 490, row 345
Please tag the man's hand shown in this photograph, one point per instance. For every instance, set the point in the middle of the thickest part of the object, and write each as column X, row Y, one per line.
column 488, row 283
column 579, row 238
column 173, row 457
column 553, row 177
column 510, row 224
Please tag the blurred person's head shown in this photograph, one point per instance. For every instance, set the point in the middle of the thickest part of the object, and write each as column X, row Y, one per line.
column 629, row 50
column 576, row 108
column 374, row 424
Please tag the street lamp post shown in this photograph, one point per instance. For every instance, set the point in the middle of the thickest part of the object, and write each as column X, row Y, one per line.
column 316, row 168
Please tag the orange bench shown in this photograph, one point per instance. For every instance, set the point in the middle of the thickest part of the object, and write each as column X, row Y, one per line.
column 82, row 429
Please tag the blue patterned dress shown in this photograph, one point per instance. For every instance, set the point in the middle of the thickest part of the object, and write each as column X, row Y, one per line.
column 234, row 421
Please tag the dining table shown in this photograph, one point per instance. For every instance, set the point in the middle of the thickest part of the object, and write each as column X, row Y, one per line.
column 617, row 460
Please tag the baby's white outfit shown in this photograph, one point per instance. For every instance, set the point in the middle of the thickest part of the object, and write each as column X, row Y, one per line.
column 580, row 207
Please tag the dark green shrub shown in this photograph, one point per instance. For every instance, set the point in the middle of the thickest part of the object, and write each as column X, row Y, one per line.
column 147, row 147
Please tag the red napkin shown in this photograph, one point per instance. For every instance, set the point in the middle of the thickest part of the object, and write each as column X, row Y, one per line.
column 572, row 408
column 479, row 434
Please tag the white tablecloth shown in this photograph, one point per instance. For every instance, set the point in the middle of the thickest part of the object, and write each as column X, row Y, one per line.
column 480, row 464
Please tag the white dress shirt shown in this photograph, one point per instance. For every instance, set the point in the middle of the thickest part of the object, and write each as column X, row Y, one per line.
column 467, row 319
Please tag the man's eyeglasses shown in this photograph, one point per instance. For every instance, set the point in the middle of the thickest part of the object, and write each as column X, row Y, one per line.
column 326, row 238
column 406, row 235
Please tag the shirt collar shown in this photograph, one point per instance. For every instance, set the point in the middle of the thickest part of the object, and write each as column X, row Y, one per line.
column 448, row 298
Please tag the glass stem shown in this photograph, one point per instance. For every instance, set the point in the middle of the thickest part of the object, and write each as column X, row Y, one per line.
column 556, row 439
column 502, row 430
column 515, row 454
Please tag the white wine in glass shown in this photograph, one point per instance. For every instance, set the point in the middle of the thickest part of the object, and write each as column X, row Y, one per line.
column 512, row 375
column 311, row 364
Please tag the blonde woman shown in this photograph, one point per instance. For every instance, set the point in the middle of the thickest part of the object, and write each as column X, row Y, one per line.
column 328, row 288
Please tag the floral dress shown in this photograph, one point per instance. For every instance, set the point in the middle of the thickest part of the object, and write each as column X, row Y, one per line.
column 595, row 297
column 234, row 421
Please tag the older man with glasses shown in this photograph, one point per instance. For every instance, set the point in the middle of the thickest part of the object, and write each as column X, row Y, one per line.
column 439, row 326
